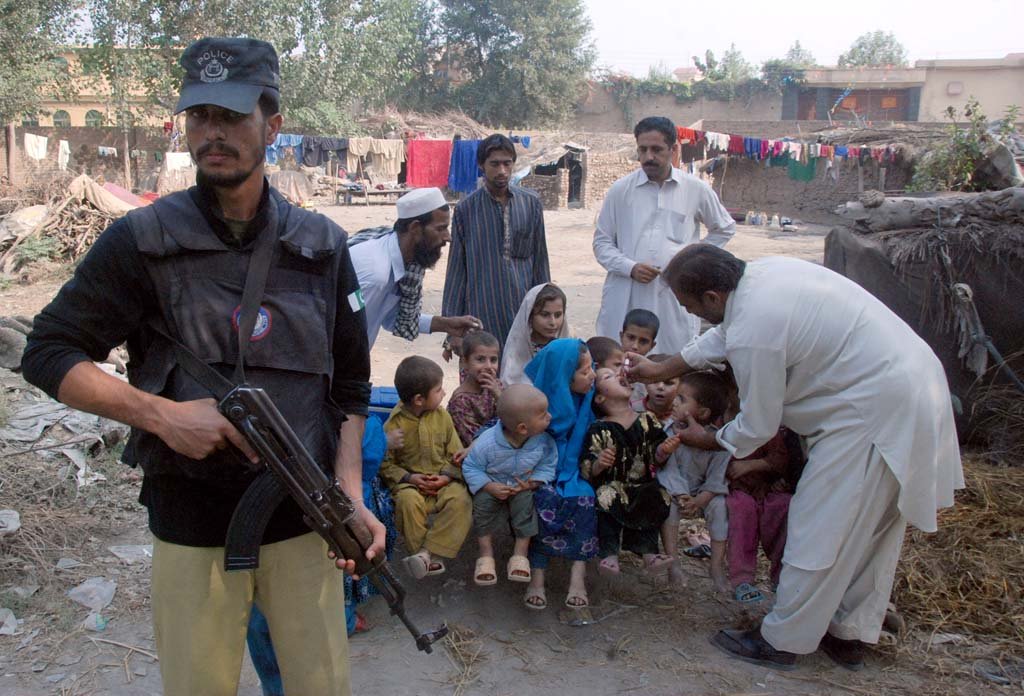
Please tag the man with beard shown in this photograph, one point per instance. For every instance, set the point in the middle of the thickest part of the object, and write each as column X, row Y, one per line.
column 499, row 250
column 647, row 217
column 174, row 273
column 390, row 263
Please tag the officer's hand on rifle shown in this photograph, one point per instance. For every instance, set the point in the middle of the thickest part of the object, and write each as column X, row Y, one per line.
column 377, row 531
column 196, row 429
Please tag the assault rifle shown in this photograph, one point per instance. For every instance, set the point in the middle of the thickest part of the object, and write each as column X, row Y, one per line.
column 291, row 471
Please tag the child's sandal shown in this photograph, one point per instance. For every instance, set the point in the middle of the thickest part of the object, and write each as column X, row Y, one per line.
column 484, row 568
column 519, row 569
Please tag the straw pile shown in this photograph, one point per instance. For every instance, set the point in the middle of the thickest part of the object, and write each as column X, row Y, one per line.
column 967, row 578
column 464, row 649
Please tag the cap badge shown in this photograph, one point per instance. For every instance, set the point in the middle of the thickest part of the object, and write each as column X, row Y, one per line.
column 213, row 70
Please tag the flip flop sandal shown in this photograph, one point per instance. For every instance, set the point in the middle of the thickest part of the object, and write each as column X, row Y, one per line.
column 418, row 565
column 659, row 564
column 745, row 593
column 517, row 565
column 485, row 566
column 608, row 569
column 435, row 567
column 584, row 601
column 702, row 551
column 540, row 594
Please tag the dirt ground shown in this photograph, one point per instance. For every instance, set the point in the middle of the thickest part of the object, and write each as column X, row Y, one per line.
column 644, row 637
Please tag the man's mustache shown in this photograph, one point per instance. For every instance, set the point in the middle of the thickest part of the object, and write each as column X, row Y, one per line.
column 218, row 148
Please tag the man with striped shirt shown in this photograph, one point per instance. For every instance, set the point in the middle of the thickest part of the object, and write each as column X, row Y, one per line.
column 498, row 250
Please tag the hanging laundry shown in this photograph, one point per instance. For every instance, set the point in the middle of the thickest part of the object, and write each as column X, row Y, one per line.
column 428, row 163
column 35, row 146
column 178, row 160
column 523, row 140
column 752, row 148
column 842, row 151
column 107, row 151
column 283, row 140
column 63, row 155
column 735, row 144
column 158, row 156
column 766, row 146
column 780, row 160
column 357, row 147
column 802, row 172
column 463, row 170
column 386, row 157
column 316, row 150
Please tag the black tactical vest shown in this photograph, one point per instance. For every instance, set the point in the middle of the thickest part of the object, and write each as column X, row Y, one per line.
column 198, row 282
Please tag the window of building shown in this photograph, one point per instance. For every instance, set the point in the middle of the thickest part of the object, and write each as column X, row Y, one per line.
column 93, row 119
column 61, row 63
column 890, row 102
column 61, row 119
column 31, row 121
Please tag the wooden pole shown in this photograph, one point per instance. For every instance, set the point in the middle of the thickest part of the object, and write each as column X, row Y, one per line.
column 12, row 160
column 127, row 159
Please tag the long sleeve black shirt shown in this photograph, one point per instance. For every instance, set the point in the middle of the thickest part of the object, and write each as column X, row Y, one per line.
column 107, row 303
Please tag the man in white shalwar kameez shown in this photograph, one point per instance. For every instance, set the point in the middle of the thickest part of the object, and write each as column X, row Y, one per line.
column 647, row 217
column 815, row 352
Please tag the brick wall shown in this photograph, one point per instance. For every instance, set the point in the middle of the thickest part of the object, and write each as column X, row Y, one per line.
column 600, row 171
column 749, row 185
column 553, row 189
column 85, row 158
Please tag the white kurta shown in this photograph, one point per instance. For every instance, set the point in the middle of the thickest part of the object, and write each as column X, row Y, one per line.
column 642, row 222
column 817, row 353
column 814, row 351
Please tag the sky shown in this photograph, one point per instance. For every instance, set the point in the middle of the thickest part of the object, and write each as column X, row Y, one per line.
column 633, row 36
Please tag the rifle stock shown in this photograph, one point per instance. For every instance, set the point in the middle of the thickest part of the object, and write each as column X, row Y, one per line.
column 325, row 507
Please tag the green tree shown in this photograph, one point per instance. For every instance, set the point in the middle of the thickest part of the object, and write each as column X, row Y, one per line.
column 31, row 32
column 799, row 56
column 732, row 67
column 875, row 49
column 526, row 60
column 336, row 56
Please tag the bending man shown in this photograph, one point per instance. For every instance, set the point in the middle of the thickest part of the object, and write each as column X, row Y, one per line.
column 815, row 352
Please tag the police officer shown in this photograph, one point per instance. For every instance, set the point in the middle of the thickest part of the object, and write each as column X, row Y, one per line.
column 181, row 265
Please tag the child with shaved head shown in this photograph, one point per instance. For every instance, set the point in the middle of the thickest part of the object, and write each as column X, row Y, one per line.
column 506, row 463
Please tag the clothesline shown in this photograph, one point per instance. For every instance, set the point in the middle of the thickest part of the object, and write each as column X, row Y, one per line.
column 771, row 148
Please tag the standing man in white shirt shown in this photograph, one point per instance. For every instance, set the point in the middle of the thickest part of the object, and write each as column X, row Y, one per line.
column 390, row 263
column 817, row 353
column 647, row 217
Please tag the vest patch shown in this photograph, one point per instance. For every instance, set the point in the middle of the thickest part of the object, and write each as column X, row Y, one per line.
column 263, row 322
column 356, row 301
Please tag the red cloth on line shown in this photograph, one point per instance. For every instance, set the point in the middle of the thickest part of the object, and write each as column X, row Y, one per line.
column 736, row 145
column 427, row 163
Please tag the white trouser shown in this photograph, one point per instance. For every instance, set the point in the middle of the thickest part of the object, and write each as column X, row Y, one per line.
column 849, row 598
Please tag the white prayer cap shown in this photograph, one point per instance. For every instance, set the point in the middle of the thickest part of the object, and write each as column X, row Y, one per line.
column 420, row 202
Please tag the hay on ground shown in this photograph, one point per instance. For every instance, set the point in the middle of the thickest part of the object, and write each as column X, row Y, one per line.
column 968, row 577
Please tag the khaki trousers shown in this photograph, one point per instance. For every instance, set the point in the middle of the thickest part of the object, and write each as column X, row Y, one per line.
column 201, row 614
column 453, row 516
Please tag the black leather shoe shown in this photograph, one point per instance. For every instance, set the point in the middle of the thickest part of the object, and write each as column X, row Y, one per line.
column 848, row 654
column 750, row 647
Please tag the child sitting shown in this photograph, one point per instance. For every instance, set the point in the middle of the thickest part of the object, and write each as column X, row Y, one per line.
column 606, row 352
column 474, row 402
column 422, row 476
column 619, row 457
column 760, row 488
column 695, row 478
column 639, row 335
column 505, row 465
column 540, row 320
column 661, row 396
column 567, row 525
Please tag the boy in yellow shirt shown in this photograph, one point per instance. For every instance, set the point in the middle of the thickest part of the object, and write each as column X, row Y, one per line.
column 422, row 472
